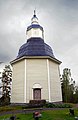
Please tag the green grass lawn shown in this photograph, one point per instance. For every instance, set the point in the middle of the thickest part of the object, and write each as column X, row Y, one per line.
column 62, row 114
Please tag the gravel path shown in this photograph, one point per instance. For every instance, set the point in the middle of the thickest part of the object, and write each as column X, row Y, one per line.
column 26, row 111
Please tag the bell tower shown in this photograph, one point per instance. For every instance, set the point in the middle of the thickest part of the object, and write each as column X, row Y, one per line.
column 34, row 30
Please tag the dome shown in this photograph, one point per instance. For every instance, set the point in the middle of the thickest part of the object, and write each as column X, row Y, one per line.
column 35, row 47
column 34, row 23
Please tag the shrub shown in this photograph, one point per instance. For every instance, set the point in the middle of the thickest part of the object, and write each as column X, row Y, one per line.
column 58, row 105
column 50, row 105
column 4, row 100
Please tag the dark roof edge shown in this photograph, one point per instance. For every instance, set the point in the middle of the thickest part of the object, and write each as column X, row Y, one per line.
column 34, row 26
column 37, row 57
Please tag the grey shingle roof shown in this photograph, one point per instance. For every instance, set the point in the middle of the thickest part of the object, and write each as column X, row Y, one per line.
column 35, row 47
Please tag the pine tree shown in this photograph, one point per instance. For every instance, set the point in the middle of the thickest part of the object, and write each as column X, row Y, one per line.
column 6, row 84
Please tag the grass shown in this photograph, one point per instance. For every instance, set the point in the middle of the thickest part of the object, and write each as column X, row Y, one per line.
column 62, row 114
column 10, row 108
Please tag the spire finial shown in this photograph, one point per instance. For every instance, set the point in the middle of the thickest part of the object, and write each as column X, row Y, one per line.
column 34, row 19
column 35, row 13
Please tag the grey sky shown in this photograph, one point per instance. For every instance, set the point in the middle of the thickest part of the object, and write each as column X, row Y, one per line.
column 59, row 19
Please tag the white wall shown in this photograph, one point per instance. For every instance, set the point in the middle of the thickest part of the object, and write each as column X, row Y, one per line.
column 28, row 72
column 55, row 83
column 37, row 73
column 18, row 82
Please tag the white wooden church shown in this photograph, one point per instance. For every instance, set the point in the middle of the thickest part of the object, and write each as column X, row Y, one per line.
column 36, row 73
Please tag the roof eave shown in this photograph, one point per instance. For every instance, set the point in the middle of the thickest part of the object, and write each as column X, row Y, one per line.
column 37, row 57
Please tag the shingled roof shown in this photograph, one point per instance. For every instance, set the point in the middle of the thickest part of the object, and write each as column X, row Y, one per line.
column 35, row 47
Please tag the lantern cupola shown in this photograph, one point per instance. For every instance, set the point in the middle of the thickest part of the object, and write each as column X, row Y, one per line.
column 35, row 30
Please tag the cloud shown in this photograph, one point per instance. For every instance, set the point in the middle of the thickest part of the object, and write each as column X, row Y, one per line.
column 59, row 19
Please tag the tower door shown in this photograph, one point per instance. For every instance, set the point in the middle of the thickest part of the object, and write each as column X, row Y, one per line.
column 37, row 94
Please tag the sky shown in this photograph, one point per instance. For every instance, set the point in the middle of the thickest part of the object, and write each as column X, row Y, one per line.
column 59, row 19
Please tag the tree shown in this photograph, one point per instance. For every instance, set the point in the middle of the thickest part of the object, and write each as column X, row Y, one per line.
column 76, row 95
column 68, row 86
column 6, row 84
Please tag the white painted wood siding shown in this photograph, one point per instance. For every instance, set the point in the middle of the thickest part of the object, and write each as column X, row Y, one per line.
column 37, row 73
column 18, row 82
column 28, row 72
column 55, row 84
